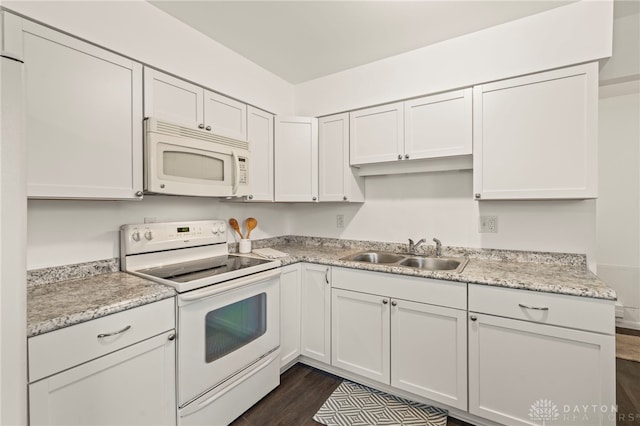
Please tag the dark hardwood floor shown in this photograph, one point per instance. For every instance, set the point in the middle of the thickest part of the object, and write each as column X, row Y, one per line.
column 301, row 393
column 628, row 387
column 304, row 389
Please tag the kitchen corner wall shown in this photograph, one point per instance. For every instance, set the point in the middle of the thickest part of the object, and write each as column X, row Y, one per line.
column 397, row 207
column 441, row 204
column 66, row 231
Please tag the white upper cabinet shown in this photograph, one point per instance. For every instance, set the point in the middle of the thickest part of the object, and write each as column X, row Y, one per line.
column 535, row 136
column 260, row 137
column 296, row 159
column 171, row 99
column 83, row 117
column 225, row 116
column 338, row 181
column 439, row 125
column 377, row 134
column 178, row 101
column 433, row 126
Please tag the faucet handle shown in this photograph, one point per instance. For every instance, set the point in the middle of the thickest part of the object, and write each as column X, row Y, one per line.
column 438, row 247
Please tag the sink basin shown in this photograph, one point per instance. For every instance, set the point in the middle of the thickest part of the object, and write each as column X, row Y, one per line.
column 434, row 263
column 411, row 261
column 375, row 257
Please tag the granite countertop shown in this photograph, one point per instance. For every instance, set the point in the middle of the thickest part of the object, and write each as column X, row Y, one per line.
column 61, row 304
column 542, row 272
column 63, row 296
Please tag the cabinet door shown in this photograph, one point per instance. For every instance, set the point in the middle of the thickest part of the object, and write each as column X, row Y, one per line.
column 132, row 386
column 377, row 134
column 296, row 159
column 83, row 118
column 171, row 99
column 439, row 125
column 316, row 312
column 360, row 334
column 225, row 116
column 290, row 298
column 521, row 373
column 535, row 137
column 338, row 181
column 429, row 351
column 260, row 136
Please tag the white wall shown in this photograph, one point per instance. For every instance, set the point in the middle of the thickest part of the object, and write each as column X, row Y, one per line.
column 13, row 229
column 143, row 32
column 624, row 64
column 441, row 205
column 64, row 232
column 618, row 208
column 578, row 32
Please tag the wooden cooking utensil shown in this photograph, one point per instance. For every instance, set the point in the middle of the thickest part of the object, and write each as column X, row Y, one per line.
column 250, row 223
column 234, row 224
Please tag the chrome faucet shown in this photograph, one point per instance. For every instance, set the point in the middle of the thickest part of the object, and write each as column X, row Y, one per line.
column 438, row 247
column 413, row 247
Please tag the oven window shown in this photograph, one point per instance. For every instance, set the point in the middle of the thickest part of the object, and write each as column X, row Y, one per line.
column 192, row 166
column 235, row 325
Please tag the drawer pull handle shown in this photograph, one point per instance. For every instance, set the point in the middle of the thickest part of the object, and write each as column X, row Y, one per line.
column 537, row 308
column 103, row 335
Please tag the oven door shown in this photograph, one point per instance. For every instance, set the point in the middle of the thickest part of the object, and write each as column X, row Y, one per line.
column 182, row 166
column 221, row 333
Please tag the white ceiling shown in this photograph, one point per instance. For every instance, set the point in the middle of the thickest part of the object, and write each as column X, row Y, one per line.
column 303, row 40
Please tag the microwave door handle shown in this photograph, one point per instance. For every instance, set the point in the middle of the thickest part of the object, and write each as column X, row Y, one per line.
column 236, row 172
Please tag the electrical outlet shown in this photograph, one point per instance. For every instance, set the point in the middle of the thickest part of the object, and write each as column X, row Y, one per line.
column 339, row 221
column 489, row 224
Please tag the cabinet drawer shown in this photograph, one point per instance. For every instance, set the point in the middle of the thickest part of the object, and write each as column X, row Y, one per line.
column 59, row 350
column 425, row 290
column 582, row 313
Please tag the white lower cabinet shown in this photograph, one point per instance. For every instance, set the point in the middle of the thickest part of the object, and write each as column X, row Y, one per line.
column 413, row 345
column 132, row 386
column 290, row 288
column 360, row 334
column 530, row 371
column 316, row 312
column 429, row 351
column 115, row 377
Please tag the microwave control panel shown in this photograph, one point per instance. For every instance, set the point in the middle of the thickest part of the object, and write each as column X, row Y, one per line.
column 244, row 170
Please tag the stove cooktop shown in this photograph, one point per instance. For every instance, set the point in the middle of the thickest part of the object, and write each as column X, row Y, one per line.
column 185, row 272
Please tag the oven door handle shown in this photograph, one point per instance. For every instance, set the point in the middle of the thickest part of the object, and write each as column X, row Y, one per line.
column 235, row 283
column 236, row 172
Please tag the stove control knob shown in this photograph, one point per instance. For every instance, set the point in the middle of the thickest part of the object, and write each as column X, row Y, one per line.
column 148, row 235
column 222, row 227
column 135, row 235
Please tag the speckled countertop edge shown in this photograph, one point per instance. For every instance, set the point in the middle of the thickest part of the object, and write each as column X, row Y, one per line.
column 558, row 273
column 66, row 303
column 81, row 292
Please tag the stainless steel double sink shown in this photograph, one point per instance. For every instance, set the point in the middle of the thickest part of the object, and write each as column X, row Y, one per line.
column 409, row 260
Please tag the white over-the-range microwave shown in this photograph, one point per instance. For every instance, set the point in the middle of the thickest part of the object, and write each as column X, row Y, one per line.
column 183, row 161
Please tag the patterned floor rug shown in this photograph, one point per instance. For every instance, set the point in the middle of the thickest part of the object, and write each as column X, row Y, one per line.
column 352, row 404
